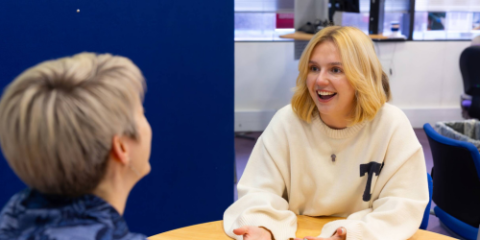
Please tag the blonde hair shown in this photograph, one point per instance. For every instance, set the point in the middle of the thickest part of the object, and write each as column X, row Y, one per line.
column 57, row 120
column 362, row 69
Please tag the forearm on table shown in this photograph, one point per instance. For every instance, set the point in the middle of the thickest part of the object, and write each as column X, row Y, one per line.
column 267, row 210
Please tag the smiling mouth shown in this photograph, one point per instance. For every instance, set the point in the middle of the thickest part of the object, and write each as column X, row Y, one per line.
column 326, row 95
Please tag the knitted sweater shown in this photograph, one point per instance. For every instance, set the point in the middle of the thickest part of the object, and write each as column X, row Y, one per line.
column 378, row 180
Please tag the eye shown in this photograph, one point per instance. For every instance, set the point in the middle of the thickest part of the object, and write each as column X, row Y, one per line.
column 314, row 69
column 336, row 70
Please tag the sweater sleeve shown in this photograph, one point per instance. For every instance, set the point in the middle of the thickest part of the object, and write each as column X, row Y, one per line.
column 398, row 210
column 260, row 191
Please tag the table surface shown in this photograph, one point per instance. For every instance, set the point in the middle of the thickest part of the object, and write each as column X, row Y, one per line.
column 307, row 36
column 307, row 226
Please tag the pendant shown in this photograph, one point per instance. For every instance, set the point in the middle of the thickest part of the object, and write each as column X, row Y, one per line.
column 333, row 157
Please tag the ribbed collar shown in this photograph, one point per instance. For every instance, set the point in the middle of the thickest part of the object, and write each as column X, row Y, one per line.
column 334, row 133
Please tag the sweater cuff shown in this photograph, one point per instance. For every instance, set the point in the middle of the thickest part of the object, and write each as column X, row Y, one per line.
column 353, row 229
column 281, row 230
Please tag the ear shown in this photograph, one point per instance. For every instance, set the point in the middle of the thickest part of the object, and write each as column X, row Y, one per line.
column 119, row 150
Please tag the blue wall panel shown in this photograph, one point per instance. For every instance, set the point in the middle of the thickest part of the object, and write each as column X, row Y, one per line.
column 185, row 50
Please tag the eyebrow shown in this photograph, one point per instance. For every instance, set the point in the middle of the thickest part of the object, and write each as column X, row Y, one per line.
column 332, row 63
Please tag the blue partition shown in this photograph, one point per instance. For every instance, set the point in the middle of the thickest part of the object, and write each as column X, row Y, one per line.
column 185, row 50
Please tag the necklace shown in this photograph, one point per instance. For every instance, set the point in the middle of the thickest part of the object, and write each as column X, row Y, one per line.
column 333, row 156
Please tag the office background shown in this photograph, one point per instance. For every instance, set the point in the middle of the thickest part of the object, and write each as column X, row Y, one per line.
column 203, row 85
column 424, row 73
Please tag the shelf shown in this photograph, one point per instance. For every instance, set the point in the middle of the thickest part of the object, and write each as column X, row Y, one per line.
column 302, row 36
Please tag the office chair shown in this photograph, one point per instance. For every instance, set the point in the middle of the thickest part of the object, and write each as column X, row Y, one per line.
column 470, row 101
column 456, row 182
column 426, row 214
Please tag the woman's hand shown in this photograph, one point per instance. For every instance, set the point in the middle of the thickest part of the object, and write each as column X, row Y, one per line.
column 340, row 234
column 253, row 233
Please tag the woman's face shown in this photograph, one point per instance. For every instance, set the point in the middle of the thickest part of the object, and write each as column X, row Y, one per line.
column 327, row 83
column 140, row 147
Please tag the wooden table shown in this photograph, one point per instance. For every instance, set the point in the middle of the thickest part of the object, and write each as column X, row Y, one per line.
column 307, row 226
column 307, row 36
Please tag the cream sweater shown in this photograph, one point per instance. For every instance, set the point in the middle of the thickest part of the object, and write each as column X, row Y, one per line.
column 290, row 172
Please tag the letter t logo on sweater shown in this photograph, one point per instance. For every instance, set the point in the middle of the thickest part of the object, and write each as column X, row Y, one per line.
column 370, row 168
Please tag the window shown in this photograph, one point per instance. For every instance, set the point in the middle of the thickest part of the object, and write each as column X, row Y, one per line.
column 266, row 20
column 263, row 20
column 446, row 19
column 359, row 20
column 396, row 11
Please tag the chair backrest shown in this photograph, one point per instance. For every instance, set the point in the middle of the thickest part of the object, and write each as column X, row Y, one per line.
column 474, row 109
column 426, row 214
column 456, row 178
column 469, row 60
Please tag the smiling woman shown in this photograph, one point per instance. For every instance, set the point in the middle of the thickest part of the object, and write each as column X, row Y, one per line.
column 343, row 58
column 338, row 150
column 328, row 86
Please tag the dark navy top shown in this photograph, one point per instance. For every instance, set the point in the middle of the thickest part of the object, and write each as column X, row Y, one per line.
column 30, row 215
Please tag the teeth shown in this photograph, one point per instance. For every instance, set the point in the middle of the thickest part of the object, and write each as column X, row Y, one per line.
column 323, row 93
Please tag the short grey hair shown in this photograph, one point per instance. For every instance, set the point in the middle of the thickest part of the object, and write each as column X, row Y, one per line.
column 58, row 119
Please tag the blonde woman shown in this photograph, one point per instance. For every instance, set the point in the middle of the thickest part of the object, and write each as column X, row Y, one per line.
column 338, row 150
column 74, row 131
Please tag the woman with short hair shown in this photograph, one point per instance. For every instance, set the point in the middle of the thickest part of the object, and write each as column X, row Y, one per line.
column 74, row 131
column 338, row 150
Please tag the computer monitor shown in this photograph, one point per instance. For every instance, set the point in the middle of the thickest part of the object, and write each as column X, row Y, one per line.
column 345, row 5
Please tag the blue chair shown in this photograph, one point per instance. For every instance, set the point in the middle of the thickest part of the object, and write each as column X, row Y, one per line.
column 456, row 177
column 426, row 214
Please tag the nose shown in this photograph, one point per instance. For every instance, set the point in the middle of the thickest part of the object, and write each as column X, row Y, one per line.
column 322, row 78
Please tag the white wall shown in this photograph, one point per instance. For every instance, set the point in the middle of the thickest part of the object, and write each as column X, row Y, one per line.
column 426, row 82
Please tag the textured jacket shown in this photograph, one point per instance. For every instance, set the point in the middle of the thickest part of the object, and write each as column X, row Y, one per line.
column 35, row 216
